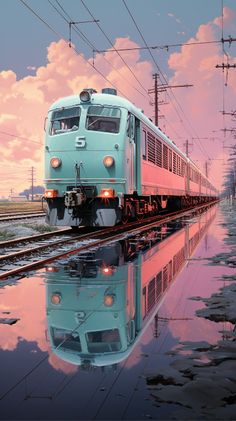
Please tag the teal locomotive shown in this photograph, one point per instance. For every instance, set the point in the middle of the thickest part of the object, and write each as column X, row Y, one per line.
column 106, row 162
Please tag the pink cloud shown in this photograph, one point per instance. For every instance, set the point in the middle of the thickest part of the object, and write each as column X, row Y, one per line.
column 228, row 18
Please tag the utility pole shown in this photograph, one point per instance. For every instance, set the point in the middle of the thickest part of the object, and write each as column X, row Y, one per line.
column 156, row 99
column 233, row 113
column 155, row 91
column 187, row 144
column 161, row 88
column 225, row 66
column 206, row 168
column 32, row 179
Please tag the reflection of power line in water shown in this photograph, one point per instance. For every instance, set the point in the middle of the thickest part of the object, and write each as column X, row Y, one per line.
column 63, row 384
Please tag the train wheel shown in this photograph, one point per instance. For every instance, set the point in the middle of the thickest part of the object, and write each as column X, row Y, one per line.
column 126, row 214
column 124, row 219
column 75, row 228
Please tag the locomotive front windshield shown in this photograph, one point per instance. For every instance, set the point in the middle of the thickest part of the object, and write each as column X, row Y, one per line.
column 66, row 339
column 103, row 119
column 103, row 341
column 65, row 120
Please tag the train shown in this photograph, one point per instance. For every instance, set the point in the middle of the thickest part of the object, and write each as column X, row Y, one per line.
column 106, row 162
column 99, row 303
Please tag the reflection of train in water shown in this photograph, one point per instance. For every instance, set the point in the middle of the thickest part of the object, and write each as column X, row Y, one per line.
column 105, row 161
column 99, row 303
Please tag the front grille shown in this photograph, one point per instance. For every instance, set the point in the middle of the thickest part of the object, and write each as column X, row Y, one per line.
column 90, row 191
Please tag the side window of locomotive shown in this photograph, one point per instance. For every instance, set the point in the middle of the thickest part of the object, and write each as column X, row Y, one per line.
column 65, row 120
column 103, row 119
column 144, row 145
column 131, row 126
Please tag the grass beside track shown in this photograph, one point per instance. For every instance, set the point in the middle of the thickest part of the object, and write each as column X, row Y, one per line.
column 9, row 207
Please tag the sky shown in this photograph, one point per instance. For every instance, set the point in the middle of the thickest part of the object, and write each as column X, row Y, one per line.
column 38, row 66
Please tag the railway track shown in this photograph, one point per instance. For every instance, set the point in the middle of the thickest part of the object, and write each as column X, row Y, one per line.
column 21, row 260
column 16, row 216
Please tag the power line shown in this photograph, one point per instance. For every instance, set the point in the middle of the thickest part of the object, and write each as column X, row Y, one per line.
column 111, row 43
column 84, row 38
column 62, row 37
column 87, row 41
column 22, row 138
column 163, row 47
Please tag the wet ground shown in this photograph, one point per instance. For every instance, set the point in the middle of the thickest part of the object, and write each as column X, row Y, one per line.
column 142, row 329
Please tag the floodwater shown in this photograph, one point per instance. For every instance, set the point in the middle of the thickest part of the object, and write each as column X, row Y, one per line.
column 117, row 332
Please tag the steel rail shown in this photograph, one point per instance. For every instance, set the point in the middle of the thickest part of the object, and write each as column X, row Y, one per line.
column 16, row 241
column 21, row 216
column 18, row 212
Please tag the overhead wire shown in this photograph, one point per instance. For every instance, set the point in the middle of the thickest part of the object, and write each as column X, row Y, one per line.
column 111, row 43
column 86, row 40
column 162, row 47
column 21, row 137
column 62, row 37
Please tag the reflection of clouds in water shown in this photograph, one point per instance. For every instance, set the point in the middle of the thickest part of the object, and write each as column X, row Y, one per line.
column 25, row 301
column 61, row 365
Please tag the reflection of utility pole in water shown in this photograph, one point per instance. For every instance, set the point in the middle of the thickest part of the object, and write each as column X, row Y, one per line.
column 156, row 333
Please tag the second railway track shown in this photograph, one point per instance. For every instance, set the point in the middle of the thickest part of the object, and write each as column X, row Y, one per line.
column 17, row 216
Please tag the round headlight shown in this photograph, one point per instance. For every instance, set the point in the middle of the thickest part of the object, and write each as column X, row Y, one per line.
column 109, row 300
column 55, row 162
column 56, row 299
column 108, row 161
column 84, row 96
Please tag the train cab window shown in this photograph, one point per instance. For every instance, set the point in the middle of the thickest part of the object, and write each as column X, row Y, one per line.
column 103, row 119
column 65, row 120
column 66, row 339
column 103, row 341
